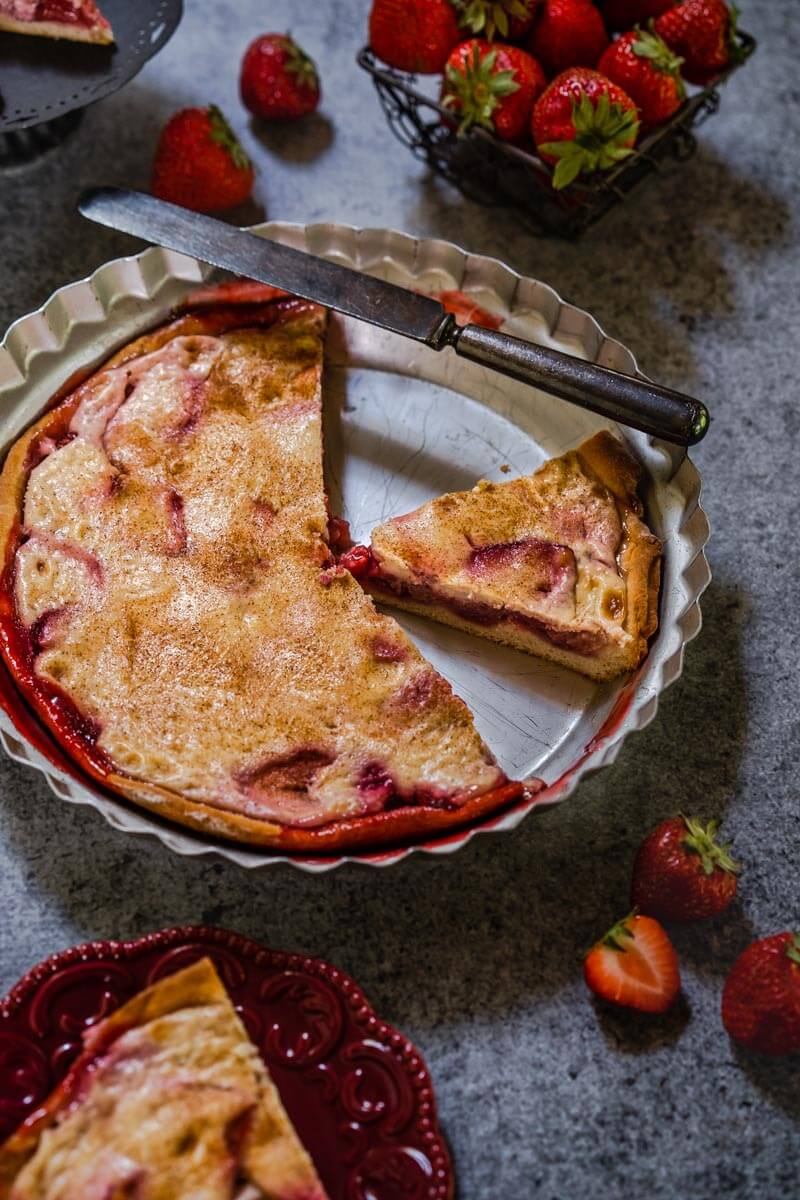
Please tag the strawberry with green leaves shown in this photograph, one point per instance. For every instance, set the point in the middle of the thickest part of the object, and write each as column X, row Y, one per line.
column 682, row 873
column 702, row 32
column 278, row 81
column 635, row 966
column 761, row 998
column 567, row 33
column 199, row 162
column 643, row 65
column 414, row 35
column 583, row 123
column 510, row 19
column 492, row 85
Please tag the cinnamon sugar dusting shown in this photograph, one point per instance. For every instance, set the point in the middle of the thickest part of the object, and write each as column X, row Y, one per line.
column 183, row 533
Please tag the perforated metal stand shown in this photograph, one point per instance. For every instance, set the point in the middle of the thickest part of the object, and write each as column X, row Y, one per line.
column 25, row 145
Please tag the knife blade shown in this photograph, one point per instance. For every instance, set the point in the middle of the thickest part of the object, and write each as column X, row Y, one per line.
column 627, row 399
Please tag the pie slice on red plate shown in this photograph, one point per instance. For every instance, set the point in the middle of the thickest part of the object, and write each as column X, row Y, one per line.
column 76, row 20
column 169, row 1099
column 171, row 608
column 558, row 563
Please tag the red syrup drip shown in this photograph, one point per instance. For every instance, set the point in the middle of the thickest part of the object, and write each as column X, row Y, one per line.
column 467, row 312
column 76, row 732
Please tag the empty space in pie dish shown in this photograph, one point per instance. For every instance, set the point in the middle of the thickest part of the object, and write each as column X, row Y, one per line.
column 404, row 424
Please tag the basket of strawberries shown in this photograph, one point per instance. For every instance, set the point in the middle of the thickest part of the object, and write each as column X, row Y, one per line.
column 555, row 108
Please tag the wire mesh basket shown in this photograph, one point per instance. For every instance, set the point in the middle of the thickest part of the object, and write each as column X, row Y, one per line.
column 495, row 173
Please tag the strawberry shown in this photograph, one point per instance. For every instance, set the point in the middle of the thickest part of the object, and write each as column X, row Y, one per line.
column 278, row 80
column 492, row 85
column 568, row 33
column 199, row 162
column 583, row 123
column 414, row 35
column 624, row 14
column 634, row 965
column 702, row 32
column 681, row 873
column 510, row 19
column 761, row 998
column 645, row 67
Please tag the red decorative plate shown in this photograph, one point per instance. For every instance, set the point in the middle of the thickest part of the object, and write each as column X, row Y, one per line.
column 356, row 1089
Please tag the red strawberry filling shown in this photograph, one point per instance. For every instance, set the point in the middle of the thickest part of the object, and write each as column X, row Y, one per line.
column 385, row 650
column 380, row 793
column 362, row 563
column 548, row 566
column 61, row 12
column 375, row 786
column 176, row 523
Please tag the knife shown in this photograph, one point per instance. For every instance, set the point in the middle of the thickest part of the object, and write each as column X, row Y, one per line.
column 624, row 398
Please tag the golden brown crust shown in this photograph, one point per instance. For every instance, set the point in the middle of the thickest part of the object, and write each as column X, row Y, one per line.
column 615, row 467
column 97, row 35
column 558, row 563
column 505, row 634
column 376, row 830
column 640, row 551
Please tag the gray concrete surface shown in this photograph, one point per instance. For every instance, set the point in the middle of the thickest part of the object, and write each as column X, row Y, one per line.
column 478, row 957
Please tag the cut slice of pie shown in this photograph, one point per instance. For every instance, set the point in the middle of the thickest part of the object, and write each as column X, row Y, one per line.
column 171, row 608
column 169, row 1099
column 558, row 563
column 75, row 20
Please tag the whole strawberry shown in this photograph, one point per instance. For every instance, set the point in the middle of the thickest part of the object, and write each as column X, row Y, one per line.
column 701, row 32
column 414, row 35
column 624, row 14
column 510, row 19
column 643, row 64
column 199, row 162
column 682, row 873
column 583, row 123
column 278, row 80
column 761, row 998
column 492, row 85
column 634, row 965
column 567, row 33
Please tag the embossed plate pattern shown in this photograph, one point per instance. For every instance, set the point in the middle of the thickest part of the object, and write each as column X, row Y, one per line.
column 357, row 1091
column 403, row 424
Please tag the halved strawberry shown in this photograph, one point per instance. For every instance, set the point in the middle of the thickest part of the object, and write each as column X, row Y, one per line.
column 634, row 966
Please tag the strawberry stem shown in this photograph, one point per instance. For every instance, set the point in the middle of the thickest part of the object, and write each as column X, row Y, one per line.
column 613, row 939
column 602, row 134
column 300, row 65
column 223, row 135
column 702, row 841
column 475, row 89
column 793, row 949
column 649, row 45
column 489, row 17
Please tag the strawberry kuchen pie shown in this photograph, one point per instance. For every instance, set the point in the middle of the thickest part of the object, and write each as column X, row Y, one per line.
column 168, row 1099
column 558, row 563
column 171, row 609
column 75, row 20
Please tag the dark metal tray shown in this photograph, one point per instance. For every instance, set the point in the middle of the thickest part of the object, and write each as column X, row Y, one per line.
column 45, row 84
